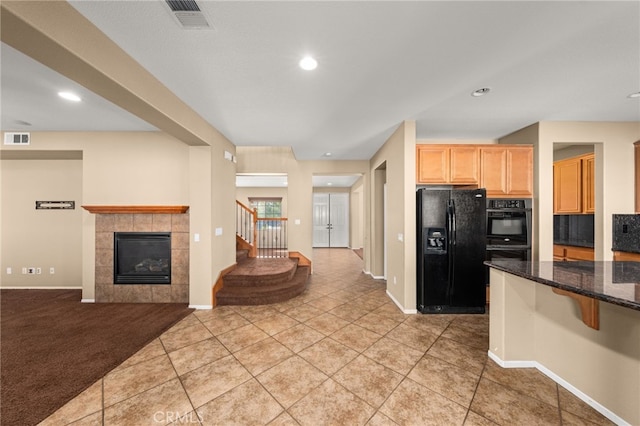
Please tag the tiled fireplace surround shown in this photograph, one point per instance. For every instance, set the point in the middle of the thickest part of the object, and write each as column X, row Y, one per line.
column 176, row 223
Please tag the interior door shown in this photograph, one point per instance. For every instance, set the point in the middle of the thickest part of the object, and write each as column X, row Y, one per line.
column 339, row 220
column 331, row 220
column 321, row 220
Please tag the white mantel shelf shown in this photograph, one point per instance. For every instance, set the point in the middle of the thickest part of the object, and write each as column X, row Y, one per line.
column 136, row 209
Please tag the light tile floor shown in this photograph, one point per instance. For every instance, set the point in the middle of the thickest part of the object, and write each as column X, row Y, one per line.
column 342, row 353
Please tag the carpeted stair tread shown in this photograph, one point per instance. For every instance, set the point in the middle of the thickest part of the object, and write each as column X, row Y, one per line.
column 262, row 295
column 261, row 272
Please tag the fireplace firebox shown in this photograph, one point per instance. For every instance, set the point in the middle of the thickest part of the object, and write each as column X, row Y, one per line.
column 142, row 258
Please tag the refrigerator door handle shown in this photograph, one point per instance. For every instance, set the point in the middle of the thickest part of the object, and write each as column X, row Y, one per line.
column 453, row 221
column 450, row 252
column 452, row 249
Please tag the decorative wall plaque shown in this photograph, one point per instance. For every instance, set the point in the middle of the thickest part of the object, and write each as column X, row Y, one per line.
column 55, row 205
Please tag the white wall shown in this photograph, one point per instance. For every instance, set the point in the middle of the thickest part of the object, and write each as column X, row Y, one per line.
column 138, row 168
column 41, row 238
column 357, row 214
column 395, row 165
column 300, row 186
column 614, row 153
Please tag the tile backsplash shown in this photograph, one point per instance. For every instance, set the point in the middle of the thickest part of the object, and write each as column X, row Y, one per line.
column 573, row 230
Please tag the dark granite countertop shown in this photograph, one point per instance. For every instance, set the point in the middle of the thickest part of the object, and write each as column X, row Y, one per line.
column 574, row 243
column 613, row 282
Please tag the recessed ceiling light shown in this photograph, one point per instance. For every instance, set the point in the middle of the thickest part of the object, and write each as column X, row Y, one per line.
column 69, row 96
column 308, row 63
column 329, row 183
column 327, row 154
column 480, row 92
column 634, row 95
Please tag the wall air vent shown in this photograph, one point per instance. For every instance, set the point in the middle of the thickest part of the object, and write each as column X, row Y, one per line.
column 17, row 138
column 188, row 14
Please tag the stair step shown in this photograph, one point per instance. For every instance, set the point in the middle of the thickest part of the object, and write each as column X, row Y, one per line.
column 242, row 255
column 262, row 295
column 255, row 272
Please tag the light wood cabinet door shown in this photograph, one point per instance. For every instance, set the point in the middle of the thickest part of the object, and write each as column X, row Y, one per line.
column 620, row 256
column 493, row 163
column 520, row 171
column 567, row 184
column 507, row 171
column 588, row 184
column 579, row 253
column 432, row 164
column 464, row 165
column 572, row 253
column 574, row 185
column 558, row 252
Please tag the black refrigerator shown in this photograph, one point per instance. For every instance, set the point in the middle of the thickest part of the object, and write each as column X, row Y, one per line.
column 451, row 225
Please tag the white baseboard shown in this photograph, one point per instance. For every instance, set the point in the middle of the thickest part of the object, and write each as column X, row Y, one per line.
column 559, row 380
column 375, row 277
column 201, row 307
column 511, row 364
column 404, row 311
column 88, row 301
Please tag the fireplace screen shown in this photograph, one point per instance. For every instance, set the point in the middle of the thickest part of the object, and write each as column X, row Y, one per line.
column 142, row 258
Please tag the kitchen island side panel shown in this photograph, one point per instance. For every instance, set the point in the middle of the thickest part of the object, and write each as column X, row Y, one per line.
column 540, row 328
column 603, row 364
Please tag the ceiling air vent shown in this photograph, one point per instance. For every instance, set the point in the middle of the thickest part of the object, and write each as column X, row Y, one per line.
column 17, row 138
column 188, row 14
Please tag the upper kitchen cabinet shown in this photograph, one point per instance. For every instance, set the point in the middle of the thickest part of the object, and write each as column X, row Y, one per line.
column 567, row 186
column 447, row 164
column 506, row 171
column 574, row 185
column 589, row 183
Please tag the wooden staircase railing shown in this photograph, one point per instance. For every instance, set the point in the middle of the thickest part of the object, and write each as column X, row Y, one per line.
column 262, row 237
column 246, row 230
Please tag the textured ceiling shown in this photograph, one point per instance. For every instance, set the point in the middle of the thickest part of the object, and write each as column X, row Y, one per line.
column 379, row 63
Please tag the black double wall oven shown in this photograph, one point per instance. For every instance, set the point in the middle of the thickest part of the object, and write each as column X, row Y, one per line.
column 508, row 229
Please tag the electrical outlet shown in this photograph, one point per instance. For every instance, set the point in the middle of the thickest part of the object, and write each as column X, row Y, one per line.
column 52, row 270
column 24, row 270
column 38, row 271
column 9, row 271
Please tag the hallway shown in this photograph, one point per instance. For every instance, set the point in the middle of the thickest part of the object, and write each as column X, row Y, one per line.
column 342, row 353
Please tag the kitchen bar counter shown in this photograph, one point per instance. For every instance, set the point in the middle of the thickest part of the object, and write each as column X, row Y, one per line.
column 626, row 233
column 574, row 243
column 613, row 282
column 534, row 321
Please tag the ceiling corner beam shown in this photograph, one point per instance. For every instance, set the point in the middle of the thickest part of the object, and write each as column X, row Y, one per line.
column 57, row 35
